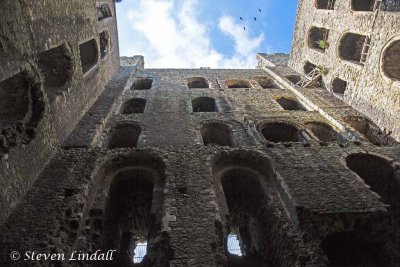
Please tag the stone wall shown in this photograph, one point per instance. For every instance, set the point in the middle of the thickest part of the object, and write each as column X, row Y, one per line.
column 369, row 89
column 42, row 84
column 309, row 191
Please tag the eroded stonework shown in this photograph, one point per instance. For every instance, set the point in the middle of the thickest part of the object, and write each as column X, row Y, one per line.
column 179, row 159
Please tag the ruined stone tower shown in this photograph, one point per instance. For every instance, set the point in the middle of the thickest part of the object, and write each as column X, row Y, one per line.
column 294, row 159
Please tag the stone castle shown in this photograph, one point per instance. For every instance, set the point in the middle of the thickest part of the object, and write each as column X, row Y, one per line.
column 297, row 159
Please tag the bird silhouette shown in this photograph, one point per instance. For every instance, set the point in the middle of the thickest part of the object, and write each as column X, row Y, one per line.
column 244, row 28
column 255, row 18
column 241, row 18
column 259, row 10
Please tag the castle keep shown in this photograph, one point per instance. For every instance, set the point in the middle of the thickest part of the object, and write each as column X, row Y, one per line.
column 297, row 159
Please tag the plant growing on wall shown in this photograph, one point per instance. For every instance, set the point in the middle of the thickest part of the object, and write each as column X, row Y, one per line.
column 322, row 70
column 323, row 44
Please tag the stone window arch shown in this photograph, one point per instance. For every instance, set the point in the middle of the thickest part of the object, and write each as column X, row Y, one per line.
column 104, row 43
column 391, row 60
column 89, row 55
column 197, row 82
column 103, row 11
column 56, row 66
column 249, row 204
column 315, row 35
column 325, row 4
column 237, row 84
column 339, row 86
column 322, row 131
column 204, row 104
column 379, row 174
column 266, row 82
column 217, row 133
column 362, row 5
column 125, row 135
column 277, row 132
column 22, row 107
column 350, row 47
column 128, row 209
column 290, row 104
column 134, row 105
column 350, row 248
column 369, row 130
column 142, row 84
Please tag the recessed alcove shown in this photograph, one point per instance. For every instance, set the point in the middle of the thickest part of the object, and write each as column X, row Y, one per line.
column 350, row 47
column 125, row 135
column 216, row 133
column 391, row 60
column 104, row 43
column 315, row 36
column 89, row 55
column 362, row 5
column 290, row 104
column 339, row 86
column 322, row 131
column 103, row 11
column 142, row 84
column 134, row 105
column 237, row 84
column 197, row 82
column 266, row 82
column 204, row 104
column 281, row 132
column 325, row 4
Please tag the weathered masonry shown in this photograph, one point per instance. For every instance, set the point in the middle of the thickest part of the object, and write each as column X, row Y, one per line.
column 198, row 167
column 358, row 43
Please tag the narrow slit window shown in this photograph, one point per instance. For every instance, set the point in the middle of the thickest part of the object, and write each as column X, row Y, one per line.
column 234, row 245
column 139, row 252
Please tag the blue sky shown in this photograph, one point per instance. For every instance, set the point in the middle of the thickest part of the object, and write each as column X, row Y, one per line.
column 204, row 33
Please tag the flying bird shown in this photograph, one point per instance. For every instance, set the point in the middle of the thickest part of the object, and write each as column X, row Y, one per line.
column 244, row 28
column 259, row 10
column 255, row 18
column 241, row 18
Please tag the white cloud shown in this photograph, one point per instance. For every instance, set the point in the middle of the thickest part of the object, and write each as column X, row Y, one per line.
column 169, row 34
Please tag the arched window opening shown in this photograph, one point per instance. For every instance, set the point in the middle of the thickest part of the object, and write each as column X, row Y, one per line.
column 294, row 78
column 363, row 5
column 135, row 105
column 249, row 203
column 352, row 249
column 127, row 208
column 369, row 130
column 325, row 4
column 379, row 175
column 290, row 104
column 103, row 11
column 339, row 86
column 142, row 84
column 317, row 38
column 132, row 217
column 391, row 5
column 56, row 66
column 351, row 47
column 124, row 136
column 281, row 132
column 204, row 104
column 197, row 82
column 89, row 55
column 237, row 84
column 104, row 43
column 216, row 133
column 391, row 60
column 322, row 131
column 266, row 83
